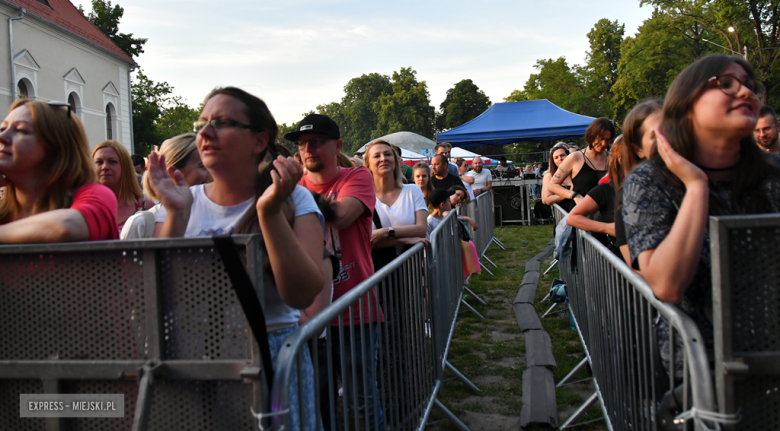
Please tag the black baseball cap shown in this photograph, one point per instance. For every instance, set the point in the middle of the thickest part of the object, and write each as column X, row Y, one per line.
column 438, row 196
column 315, row 123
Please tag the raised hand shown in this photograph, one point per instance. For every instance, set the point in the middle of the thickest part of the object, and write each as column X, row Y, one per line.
column 285, row 178
column 684, row 169
column 171, row 187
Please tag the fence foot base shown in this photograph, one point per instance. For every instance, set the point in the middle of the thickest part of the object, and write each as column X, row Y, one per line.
column 471, row 308
column 474, row 295
column 461, row 377
column 451, row 416
column 564, row 381
column 489, row 261
column 552, row 265
column 499, row 243
column 485, row 268
column 580, row 411
column 549, row 311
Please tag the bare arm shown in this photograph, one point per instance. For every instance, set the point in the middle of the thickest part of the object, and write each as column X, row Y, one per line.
column 467, row 179
column 61, row 225
column 670, row 267
column 565, row 171
column 323, row 298
column 347, row 209
column 578, row 217
column 488, row 187
column 548, row 197
column 627, row 257
column 380, row 238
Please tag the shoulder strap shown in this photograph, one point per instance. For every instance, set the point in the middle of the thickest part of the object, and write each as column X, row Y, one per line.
column 246, row 295
column 377, row 222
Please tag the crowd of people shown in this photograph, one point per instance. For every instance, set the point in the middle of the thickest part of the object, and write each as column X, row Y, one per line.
column 329, row 221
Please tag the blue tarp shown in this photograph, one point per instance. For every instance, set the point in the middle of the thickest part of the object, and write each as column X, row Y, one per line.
column 506, row 123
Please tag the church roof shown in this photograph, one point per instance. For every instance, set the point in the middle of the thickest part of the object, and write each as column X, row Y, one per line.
column 63, row 14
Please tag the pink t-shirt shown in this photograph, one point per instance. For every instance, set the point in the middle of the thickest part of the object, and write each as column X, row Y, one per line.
column 352, row 245
column 97, row 204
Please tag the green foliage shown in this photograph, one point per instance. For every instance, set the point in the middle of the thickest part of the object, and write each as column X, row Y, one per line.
column 516, row 96
column 560, row 84
column 157, row 114
column 464, row 102
column 601, row 68
column 407, row 108
column 105, row 17
column 357, row 109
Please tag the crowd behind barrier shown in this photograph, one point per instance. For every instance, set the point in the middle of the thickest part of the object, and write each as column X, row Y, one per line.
column 617, row 316
column 420, row 294
column 155, row 320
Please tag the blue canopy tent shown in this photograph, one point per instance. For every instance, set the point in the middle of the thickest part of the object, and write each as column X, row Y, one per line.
column 506, row 123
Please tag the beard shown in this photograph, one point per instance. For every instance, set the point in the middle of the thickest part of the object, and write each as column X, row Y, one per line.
column 314, row 165
column 767, row 144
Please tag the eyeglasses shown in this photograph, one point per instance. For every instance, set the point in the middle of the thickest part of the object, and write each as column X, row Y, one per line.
column 730, row 84
column 219, row 124
column 315, row 142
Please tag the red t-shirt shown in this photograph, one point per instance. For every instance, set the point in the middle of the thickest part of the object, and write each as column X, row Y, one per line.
column 352, row 245
column 97, row 204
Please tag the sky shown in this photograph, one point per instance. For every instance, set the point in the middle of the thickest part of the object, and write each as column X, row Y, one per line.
column 298, row 54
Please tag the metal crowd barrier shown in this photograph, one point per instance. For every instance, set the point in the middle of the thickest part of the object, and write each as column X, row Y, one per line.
column 155, row 320
column 617, row 317
column 746, row 317
column 418, row 296
column 481, row 210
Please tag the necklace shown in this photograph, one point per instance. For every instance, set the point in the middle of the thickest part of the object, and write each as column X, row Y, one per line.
column 728, row 168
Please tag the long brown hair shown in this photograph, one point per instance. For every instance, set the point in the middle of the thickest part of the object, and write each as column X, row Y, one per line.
column 596, row 130
column 615, row 168
column 634, row 130
column 261, row 119
column 67, row 161
column 428, row 186
column 129, row 189
column 754, row 165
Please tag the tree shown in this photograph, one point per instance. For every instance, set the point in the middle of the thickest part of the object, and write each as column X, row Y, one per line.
column 157, row 115
column 464, row 102
column 105, row 17
column 558, row 83
column 358, row 118
column 407, row 108
column 601, row 68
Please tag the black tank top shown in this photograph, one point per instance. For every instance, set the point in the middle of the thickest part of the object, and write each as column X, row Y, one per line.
column 587, row 178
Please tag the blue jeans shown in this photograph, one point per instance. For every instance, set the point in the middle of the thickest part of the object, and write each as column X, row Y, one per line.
column 275, row 341
column 366, row 400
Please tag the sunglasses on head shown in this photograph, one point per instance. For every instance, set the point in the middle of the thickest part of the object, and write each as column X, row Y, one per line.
column 55, row 104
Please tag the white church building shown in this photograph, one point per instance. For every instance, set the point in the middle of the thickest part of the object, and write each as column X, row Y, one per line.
column 50, row 52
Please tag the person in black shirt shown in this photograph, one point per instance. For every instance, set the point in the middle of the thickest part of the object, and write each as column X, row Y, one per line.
column 441, row 178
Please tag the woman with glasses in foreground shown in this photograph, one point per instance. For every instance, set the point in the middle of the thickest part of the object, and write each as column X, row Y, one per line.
column 254, row 191
column 585, row 167
column 705, row 163
column 51, row 195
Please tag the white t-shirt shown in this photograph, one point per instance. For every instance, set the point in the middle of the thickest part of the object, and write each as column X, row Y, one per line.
column 432, row 223
column 402, row 212
column 480, row 179
column 469, row 189
column 208, row 218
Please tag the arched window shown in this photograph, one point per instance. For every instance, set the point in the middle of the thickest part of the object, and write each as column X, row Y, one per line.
column 21, row 90
column 72, row 101
column 109, row 122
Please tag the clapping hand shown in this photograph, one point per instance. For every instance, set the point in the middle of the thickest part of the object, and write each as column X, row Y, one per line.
column 285, row 178
column 172, row 189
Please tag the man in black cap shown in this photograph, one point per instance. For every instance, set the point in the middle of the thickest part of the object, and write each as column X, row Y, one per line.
column 351, row 191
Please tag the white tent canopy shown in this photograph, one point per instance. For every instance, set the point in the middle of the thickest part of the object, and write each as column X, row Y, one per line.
column 406, row 141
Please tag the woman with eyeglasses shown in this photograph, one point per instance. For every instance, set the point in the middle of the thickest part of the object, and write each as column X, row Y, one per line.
column 558, row 154
column 706, row 163
column 254, row 191
column 49, row 178
column 585, row 167
column 115, row 171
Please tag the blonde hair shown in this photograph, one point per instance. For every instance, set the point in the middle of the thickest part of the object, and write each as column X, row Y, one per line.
column 397, row 172
column 129, row 190
column 67, row 161
column 177, row 151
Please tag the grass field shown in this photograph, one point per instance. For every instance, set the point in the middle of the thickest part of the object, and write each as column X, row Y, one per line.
column 491, row 352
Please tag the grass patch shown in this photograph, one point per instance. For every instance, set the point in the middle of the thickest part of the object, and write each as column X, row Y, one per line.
column 491, row 352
